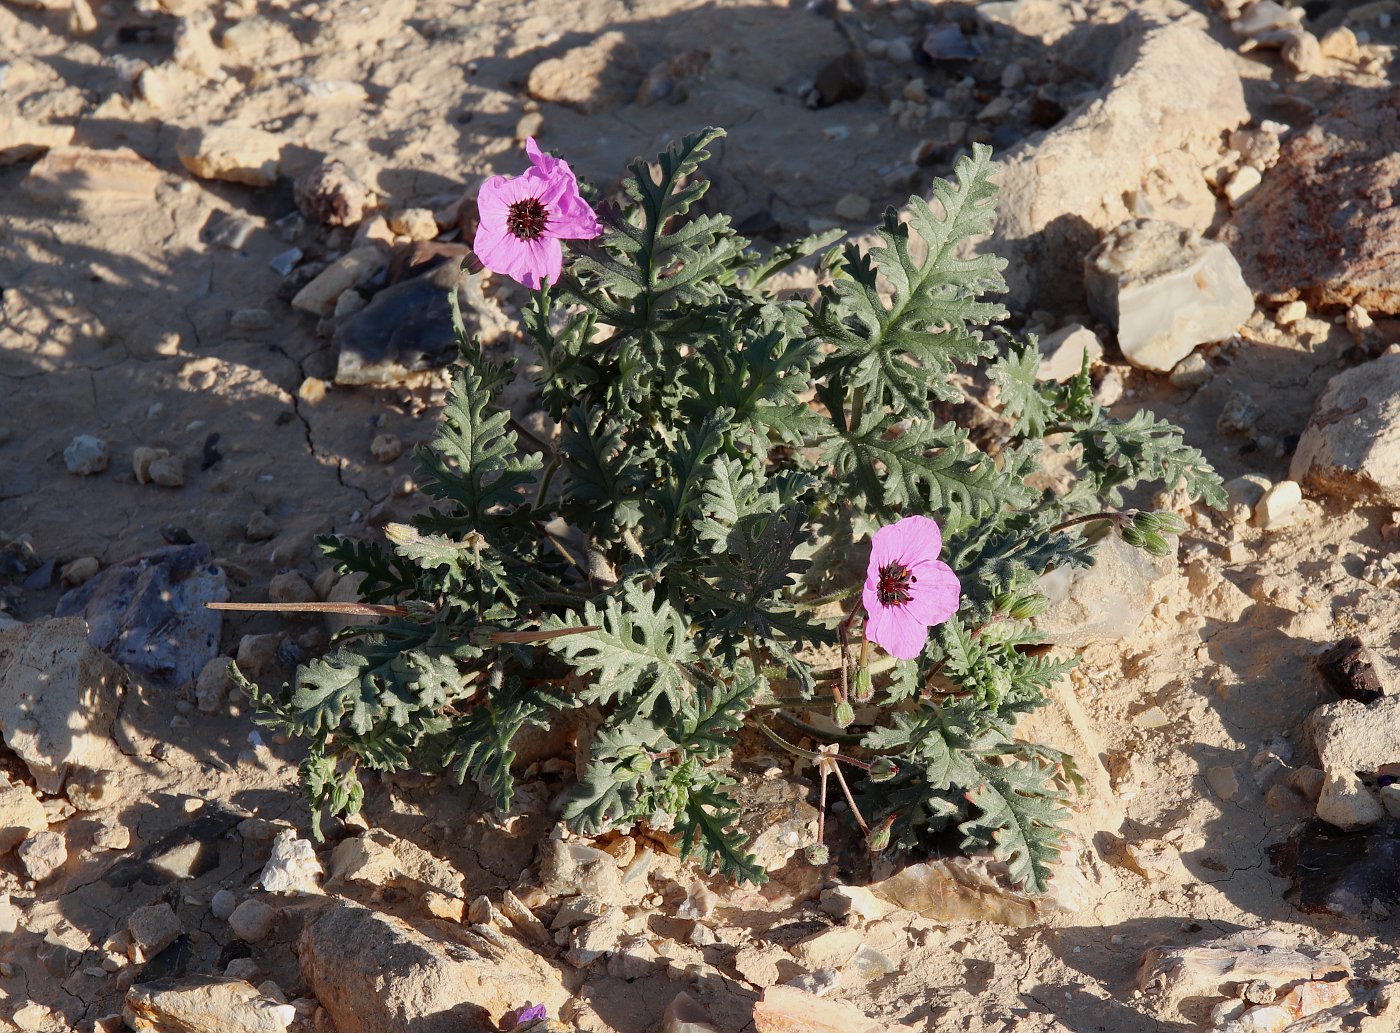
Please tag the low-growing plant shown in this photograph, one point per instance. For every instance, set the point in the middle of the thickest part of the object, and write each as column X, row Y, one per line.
column 682, row 557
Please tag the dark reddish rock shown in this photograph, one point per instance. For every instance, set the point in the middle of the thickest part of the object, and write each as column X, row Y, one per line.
column 1324, row 226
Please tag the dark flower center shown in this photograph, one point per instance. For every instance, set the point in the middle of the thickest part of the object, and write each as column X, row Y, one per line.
column 526, row 218
column 895, row 580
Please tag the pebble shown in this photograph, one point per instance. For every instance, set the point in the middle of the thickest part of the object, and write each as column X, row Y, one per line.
column 1223, row 781
column 156, row 465
column 113, row 836
column 1165, row 290
column 312, row 390
column 233, row 231
column 1359, row 322
column 43, row 854
column 21, row 815
column 153, row 928
column 1062, row 352
column 282, row 264
column 212, row 686
column 251, row 921
column 853, row 207
column 1350, row 447
column 290, row 587
column 1191, row 372
column 899, row 51
column 386, row 448
column 415, row 223
column 260, row 528
column 351, row 270
column 257, row 654
column 233, row 154
column 1290, row 313
column 436, row 904
column 79, row 570
column 1346, row 802
column 242, row 968
column 91, row 179
column 1278, row 506
column 292, row 867
column 86, row 455
column 250, row 320
column 1340, row 44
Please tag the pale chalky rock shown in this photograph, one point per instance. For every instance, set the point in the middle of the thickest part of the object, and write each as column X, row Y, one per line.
column 374, row 972
column 212, row 686
column 252, row 921
column 332, row 193
column 685, row 1015
column 234, row 154
column 1346, row 803
column 349, row 271
column 381, row 859
column 1105, row 602
column 1350, row 447
column 858, row 902
column 1171, row 93
column 205, row 1004
column 289, row 587
column 786, row 1009
column 21, row 139
column 58, row 698
column 599, row 75
column 1165, row 290
column 43, row 854
column 1062, row 353
column 1278, row 507
column 21, row 816
column 1350, row 736
column 292, row 866
column 92, row 180
column 153, row 928
column 86, row 455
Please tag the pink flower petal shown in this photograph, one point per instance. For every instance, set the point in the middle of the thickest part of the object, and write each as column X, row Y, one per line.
column 896, row 631
column 934, row 594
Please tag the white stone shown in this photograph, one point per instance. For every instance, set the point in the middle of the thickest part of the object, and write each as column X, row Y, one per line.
column 1278, row 507
column 292, row 866
column 252, row 921
column 153, row 928
column 1350, row 447
column 43, row 854
column 1350, row 736
column 21, row 816
column 685, row 1015
column 1062, row 353
column 351, row 270
column 86, row 455
column 1243, row 183
column 1290, row 312
column 1346, row 802
column 1165, row 290
column 855, row 901
column 223, row 904
column 234, row 154
column 206, row 1004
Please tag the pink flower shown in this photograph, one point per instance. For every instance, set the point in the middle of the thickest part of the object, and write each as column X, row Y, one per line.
column 523, row 219
column 908, row 589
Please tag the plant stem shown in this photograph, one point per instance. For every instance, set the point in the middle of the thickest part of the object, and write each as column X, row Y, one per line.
column 848, row 738
column 826, row 600
column 1089, row 518
column 548, row 476
column 360, row 609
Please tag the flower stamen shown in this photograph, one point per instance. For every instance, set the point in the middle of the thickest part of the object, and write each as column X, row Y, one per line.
column 895, row 580
column 526, row 218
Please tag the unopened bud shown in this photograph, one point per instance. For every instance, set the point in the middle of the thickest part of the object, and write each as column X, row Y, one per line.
column 863, row 691
column 844, row 714
column 1029, row 606
column 419, row 611
column 1156, row 545
column 1133, row 536
column 882, row 769
column 879, row 838
column 817, row 854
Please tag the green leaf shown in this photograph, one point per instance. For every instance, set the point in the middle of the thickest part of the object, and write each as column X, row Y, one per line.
column 1019, row 814
column 1014, row 373
column 479, row 744
column 706, row 827
column 605, row 476
column 1120, row 454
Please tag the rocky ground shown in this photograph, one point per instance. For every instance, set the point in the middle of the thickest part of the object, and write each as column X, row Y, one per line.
column 215, row 215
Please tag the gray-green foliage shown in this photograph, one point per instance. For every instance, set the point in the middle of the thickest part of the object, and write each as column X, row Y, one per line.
column 720, row 451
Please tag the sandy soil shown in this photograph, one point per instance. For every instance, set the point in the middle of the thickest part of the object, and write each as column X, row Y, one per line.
column 117, row 324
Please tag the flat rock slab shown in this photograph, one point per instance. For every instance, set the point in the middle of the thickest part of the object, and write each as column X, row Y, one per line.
column 1350, row 736
column 1350, row 447
column 149, row 613
column 1323, row 226
column 205, row 1004
column 58, row 698
column 406, row 330
column 1105, row 602
column 377, row 974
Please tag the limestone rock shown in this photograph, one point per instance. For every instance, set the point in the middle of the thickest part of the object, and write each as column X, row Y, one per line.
column 212, row 686
column 58, row 699
column 149, row 612
column 205, row 1004
column 1062, row 353
column 43, row 854
column 599, row 75
column 86, row 455
column 777, row 818
column 786, row 1009
column 292, row 866
column 235, row 154
column 685, row 1015
column 376, row 974
column 1172, row 92
column 1346, row 803
column 1105, row 602
column 1350, row 447
column 1279, row 505
column 381, row 859
column 1351, row 737
column 21, row 815
column 21, row 139
column 153, row 928
column 1317, row 227
column 349, row 271
column 252, row 920
column 1165, row 290
column 91, row 179
column 332, row 193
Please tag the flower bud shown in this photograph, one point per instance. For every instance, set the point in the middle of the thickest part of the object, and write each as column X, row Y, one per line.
column 1133, row 536
column 419, row 612
column 817, row 853
column 844, row 714
column 1029, row 606
column 1156, row 545
column 882, row 769
column 863, row 691
column 879, row 838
